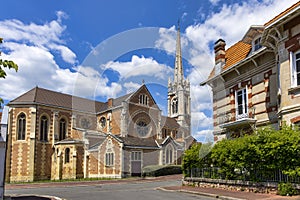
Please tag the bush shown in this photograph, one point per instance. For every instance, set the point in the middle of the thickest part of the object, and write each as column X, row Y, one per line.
column 161, row 170
column 286, row 189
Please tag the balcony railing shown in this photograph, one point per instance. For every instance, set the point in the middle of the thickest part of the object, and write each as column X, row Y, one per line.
column 235, row 115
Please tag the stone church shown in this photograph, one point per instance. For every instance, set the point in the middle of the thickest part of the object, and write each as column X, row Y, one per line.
column 55, row 136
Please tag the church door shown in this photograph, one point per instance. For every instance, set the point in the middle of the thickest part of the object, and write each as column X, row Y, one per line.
column 136, row 163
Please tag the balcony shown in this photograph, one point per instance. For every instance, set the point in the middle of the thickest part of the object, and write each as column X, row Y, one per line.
column 236, row 118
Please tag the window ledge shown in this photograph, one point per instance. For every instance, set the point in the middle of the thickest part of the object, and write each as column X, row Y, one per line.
column 294, row 90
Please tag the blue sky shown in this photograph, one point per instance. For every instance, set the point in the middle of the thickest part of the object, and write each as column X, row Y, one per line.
column 100, row 49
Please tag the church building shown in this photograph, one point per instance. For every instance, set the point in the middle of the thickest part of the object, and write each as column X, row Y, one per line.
column 53, row 136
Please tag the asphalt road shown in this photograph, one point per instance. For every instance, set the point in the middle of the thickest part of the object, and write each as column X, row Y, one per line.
column 145, row 190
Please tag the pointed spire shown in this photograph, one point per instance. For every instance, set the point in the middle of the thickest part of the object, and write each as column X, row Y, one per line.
column 178, row 72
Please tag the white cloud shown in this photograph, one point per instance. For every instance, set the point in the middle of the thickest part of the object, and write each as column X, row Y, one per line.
column 66, row 54
column 204, row 136
column 214, row 2
column 34, row 47
column 139, row 66
column 131, row 86
column 31, row 46
column 167, row 40
column 200, row 120
column 90, row 83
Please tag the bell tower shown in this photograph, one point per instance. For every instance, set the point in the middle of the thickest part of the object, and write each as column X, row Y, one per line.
column 179, row 101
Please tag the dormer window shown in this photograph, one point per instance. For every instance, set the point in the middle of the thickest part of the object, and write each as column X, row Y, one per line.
column 256, row 44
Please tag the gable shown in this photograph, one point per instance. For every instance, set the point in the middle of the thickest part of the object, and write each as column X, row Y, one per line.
column 143, row 93
column 252, row 33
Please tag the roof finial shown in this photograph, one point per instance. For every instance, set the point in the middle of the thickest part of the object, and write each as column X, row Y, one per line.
column 143, row 82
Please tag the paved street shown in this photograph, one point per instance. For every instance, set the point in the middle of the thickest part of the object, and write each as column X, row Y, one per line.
column 132, row 190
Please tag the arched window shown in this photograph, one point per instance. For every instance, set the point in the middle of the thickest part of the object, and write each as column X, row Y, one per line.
column 102, row 122
column 109, row 154
column 174, row 106
column 143, row 99
column 109, row 158
column 256, row 44
column 169, row 155
column 142, row 128
column 62, row 129
column 44, row 128
column 67, row 155
column 21, row 127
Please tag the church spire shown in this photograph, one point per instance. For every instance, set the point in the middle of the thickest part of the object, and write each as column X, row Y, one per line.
column 178, row 72
column 179, row 100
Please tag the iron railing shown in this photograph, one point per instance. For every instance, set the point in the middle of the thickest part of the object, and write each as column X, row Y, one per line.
column 236, row 114
column 258, row 175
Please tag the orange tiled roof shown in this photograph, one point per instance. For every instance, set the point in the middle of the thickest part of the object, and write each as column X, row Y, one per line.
column 283, row 13
column 234, row 54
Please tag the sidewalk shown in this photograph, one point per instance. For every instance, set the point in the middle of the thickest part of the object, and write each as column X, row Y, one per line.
column 227, row 194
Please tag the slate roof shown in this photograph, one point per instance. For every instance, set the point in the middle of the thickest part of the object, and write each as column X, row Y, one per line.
column 189, row 141
column 168, row 122
column 130, row 141
column 56, row 99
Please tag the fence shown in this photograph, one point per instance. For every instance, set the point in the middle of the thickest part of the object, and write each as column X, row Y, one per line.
column 255, row 175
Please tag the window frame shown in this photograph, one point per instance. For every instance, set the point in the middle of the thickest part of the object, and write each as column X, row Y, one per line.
column 67, row 155
column 169, row 155
column 143, row 99
column 174, row 105
column 293, row 66
column 244, row 103
column 109, row 158
column 102, row 122
column 21, row 126
column 61, row 135
column 142, row 128
column 44, row 130
column 136, row 156
column 256, row 46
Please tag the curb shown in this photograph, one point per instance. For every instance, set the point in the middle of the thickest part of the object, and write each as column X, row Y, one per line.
column 25, row 196
column 201, row 193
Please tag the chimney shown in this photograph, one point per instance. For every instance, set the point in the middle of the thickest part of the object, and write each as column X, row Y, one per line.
column 110, row 102
column 219, row 51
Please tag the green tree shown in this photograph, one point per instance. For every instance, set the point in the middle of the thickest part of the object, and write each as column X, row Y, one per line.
column 6, row 64
column 264, row 152
column 197, row 156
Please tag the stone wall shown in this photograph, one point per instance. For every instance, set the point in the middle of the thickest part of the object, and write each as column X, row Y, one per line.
column 236, row 185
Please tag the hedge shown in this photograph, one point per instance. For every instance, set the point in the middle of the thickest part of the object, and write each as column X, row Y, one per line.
column 161, row 170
